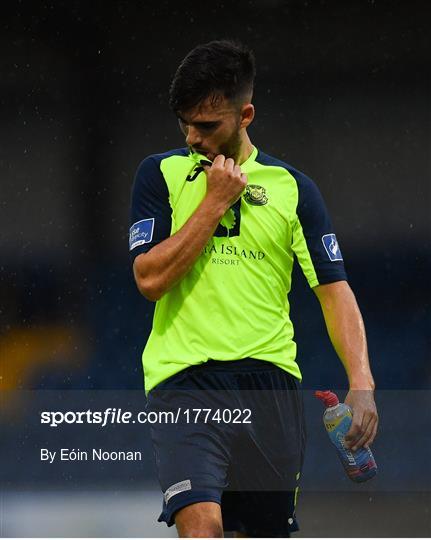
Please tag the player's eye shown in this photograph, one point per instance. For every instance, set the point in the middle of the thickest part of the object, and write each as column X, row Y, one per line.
column 202, row 126
column 206, row 126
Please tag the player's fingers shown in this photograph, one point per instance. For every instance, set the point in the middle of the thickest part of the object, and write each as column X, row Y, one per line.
column 219, row 161
column 373, row 425
column 366, row 435
column 373, row 435
column 237, row 170
column 229, row 164
column 354, row 432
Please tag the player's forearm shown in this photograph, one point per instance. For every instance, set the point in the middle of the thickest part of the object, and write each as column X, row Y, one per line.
column 347, row 332
column 166, row 263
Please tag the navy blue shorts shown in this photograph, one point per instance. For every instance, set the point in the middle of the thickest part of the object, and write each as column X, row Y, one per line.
column 246, row 453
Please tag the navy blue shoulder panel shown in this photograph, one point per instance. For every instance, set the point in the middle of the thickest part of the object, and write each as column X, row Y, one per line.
column 150, row 211
column 314, row 218
column 175, row 152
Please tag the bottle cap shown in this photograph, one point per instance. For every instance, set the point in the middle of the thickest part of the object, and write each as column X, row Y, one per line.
column 329, row 398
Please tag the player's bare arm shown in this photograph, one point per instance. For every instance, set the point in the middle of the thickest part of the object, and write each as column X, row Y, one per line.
column 165, row 264
column 347, row 333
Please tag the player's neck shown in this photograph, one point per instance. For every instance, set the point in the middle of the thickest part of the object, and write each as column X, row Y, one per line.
column 245, row 149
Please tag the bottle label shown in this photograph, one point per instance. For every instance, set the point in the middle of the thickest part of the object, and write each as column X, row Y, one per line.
column 332, row 425
column 337, row 431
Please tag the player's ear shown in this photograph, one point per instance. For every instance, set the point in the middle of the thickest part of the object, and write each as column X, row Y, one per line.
column 247, row 115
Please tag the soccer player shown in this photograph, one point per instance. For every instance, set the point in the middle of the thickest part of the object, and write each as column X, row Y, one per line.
column 215, row 228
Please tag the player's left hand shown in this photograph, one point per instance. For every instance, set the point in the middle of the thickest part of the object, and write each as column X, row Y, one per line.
column 365, row 419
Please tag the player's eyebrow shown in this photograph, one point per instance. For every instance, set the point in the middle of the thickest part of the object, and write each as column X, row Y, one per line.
column 207, row 123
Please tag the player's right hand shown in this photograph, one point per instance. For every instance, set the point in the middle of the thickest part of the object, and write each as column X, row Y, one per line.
column 225, row 181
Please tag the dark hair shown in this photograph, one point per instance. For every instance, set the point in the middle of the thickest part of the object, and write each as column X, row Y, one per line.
column 219, row 68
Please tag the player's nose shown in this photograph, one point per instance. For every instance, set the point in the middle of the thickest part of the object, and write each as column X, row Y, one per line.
column 193, row 137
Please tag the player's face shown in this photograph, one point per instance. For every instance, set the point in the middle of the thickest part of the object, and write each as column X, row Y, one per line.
column 212, row 129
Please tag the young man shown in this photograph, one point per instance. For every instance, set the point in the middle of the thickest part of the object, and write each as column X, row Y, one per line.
column 215, row 228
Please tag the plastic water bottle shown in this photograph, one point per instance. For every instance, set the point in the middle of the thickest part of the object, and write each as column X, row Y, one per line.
column 360, row 465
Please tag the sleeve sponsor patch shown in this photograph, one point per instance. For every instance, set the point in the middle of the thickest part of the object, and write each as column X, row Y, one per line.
column 141, row 233
column 332, row 248
column 179, row 487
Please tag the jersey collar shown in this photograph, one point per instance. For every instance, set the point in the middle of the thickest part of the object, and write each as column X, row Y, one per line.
column 198, row 157
column 251, row 158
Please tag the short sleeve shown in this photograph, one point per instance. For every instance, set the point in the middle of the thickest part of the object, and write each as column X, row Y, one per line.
column 150, row 211
column 314, row 241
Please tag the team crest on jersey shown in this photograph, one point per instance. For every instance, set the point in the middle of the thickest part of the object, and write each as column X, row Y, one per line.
column 255, row 195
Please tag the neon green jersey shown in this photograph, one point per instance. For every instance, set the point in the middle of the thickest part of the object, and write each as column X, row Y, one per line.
column 233, row 303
